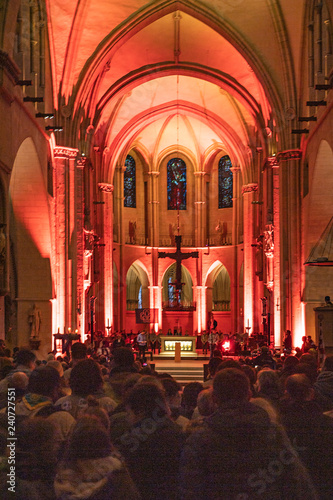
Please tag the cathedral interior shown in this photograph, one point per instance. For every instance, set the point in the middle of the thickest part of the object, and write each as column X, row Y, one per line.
column 126, row 125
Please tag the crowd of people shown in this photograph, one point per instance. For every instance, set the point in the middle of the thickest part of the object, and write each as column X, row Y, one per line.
column 99, row 427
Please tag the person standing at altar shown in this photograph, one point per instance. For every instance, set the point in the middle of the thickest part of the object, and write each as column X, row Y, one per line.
column 141, row 340
column 213, row 339
column 204, row 342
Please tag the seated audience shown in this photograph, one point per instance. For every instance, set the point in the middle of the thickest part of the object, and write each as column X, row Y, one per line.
column 238, row 453
column 173, row 397
column 91, row 469
column 85, row 380
column 310, row 432
column 324, row 382
column 153, row 445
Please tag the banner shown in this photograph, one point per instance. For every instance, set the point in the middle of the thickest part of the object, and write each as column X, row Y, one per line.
column 146, row 315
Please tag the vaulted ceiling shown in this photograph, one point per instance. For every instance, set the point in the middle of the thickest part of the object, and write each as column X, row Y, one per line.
column 194, row 75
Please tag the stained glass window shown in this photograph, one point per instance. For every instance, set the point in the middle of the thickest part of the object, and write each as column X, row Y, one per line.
column 176, row 180
column 130, row 183
column 225, row 182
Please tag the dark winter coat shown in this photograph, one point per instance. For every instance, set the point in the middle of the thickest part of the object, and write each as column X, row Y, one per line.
column 239, row 454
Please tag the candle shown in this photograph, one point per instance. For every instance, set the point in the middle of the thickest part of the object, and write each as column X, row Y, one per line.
column 69, row 330
column 58, row 329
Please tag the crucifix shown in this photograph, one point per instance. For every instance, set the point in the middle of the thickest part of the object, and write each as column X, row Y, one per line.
column 178, row 256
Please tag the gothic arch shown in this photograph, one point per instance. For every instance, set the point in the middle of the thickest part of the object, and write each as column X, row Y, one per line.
column 169, row 277
column 317, row 279
column 30, row 235
column 218, row 288
column 137, row 284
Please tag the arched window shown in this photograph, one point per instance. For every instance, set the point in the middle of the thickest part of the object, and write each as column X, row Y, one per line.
column 225, row 182
column 176, row 182
column 130, row 183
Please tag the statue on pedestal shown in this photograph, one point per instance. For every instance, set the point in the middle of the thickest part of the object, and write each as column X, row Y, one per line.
column 34, row 319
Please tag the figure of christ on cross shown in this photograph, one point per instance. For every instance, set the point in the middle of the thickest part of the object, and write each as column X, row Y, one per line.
column 179, row 256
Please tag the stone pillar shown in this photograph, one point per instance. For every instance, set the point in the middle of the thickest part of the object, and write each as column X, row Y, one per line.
column 78, row 295
column 250, row 314
column 291, row 263
column 107, row 198
column 200, row 225
column 278, row 332
column 153, row 213
column 63, row 223
column 201, row 308
column 156, row 304
column 119, row 237
column 236, row 212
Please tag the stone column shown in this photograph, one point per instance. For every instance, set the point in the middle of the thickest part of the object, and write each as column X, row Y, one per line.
column 200, row 225
column 201, row 307
column 106, row 190
column 278, row 332
column 78, row 295
column 291, row 264
column 63, row 223
column 250, row 314
column 153, row 213
column 155, row 292
column 236, row 212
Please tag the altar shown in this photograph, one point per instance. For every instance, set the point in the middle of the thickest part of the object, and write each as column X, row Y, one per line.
column 187, row 346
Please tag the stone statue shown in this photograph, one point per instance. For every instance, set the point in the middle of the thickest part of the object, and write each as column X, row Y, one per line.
column 34, row 319
column 132, row 232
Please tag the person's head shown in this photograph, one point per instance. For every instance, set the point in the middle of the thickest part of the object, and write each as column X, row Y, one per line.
column 308, row 369
column 328, row 364
column 213, row 365
column 267, row 381
column 19, row 381
column 45, row 381
column 309, row 359
column 123, row 356
column 205, row 403
column 86, row 378
column 268, row 407
column 172, row 392
column 231, row 385
column 79, row 352
column 26, row 358
column 95, row 412
column 229, row 363
column 299, row 387
column 146, row 400
column 190, row 395
column 89, row 440
column 57, row 365
column 290, row 362
column 251, row 373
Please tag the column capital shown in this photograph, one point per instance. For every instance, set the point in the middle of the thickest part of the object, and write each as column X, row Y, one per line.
column 250, row 188
column 154, row 172
column 235, row 170
column 289, row 154
column 81, row 161
column 66, row 153
column 200, row 172
column 105, row 187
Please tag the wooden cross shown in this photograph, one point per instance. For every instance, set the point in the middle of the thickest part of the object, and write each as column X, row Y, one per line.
column 178, row 256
